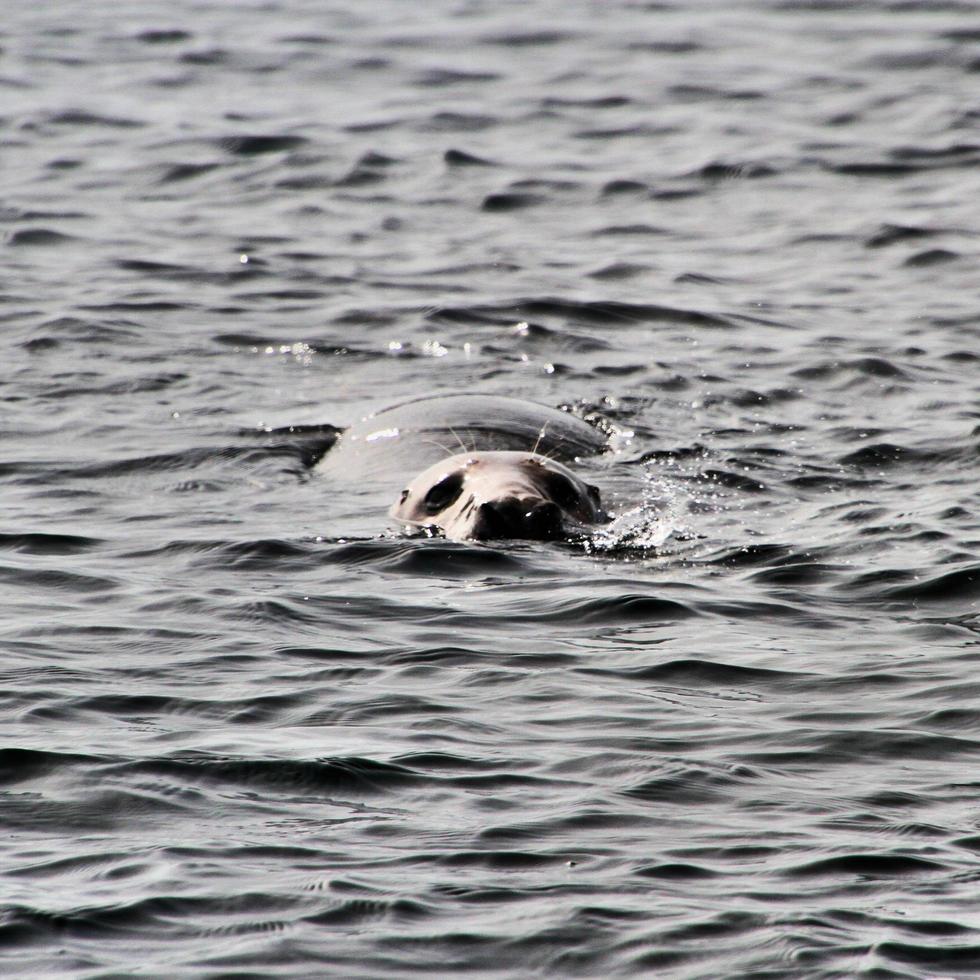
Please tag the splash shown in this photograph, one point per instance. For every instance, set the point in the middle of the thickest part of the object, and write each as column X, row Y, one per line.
column 648, row 525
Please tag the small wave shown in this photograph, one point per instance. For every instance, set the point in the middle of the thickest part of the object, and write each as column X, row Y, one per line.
column 36, row 543
column 159, row 915
column 447, row 77
column 255, row 145
column 429, row 557
column 931, row 257
column 176, row 173
column 620, row 609
column 868, row 866
column 691, row 785
column 80, row 117
column 58, row 580
column 962, row 584
column 889, row 234
column 705, row 673
column 19, row 765
column 458, row 122
column 460, row 158
column 163, row 36
column 945, row 957
column 26, row 237
column 676, row 871
column 358, row 911
column 511, row 201
column 592, row 312
column 344, row 775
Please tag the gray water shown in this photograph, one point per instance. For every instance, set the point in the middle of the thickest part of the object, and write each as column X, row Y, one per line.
column 250, row 729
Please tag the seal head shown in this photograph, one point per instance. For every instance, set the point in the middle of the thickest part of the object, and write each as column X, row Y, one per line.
column 495, row 495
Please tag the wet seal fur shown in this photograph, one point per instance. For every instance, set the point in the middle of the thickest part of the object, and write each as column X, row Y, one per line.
column 488, row 467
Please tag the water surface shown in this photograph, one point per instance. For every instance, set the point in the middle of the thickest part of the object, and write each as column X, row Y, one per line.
column 249, row 729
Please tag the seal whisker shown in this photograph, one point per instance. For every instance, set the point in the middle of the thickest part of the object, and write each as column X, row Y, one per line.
column 541, row 435
column 462, row 445
column 448, row 450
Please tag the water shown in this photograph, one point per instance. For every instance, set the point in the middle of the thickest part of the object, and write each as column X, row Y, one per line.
column 248, row 729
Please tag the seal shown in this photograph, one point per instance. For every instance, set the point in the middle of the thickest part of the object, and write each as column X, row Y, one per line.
column 493, row 495
column 488, row 467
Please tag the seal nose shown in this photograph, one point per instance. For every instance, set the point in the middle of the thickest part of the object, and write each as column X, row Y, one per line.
column 512, row 517
column 544, row 520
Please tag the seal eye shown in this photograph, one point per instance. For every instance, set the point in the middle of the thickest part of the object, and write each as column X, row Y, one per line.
column 593, row 494
column 563, row 492
column 443, row 493
column 405, row 495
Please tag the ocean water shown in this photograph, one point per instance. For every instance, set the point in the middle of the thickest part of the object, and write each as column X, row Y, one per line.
column 250, row 729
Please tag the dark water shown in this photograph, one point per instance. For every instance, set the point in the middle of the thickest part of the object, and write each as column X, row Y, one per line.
column 250, row 730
